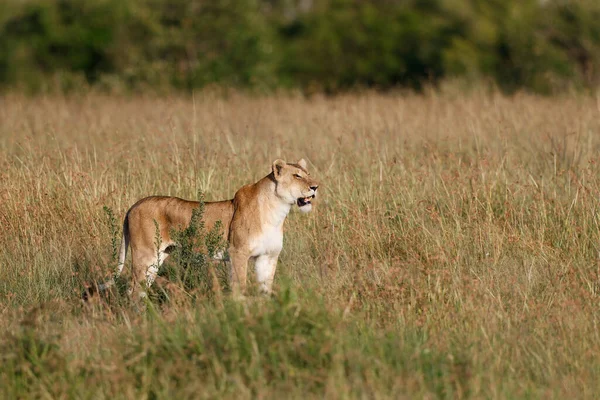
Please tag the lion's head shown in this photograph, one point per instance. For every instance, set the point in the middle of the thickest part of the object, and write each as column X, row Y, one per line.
column 294, row 185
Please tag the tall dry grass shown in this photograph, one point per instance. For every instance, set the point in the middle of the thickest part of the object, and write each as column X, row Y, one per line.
column 453, row 251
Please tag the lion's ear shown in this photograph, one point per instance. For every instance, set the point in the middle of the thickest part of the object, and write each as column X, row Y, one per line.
column 302, row 163
column 277, row 167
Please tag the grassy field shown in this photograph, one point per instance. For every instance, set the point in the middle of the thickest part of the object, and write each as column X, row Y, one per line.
column 453, row 251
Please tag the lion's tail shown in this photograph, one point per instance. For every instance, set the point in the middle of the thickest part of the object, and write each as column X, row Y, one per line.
column 122, row 255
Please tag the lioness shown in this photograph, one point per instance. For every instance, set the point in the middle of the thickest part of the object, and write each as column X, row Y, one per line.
column 252, row 223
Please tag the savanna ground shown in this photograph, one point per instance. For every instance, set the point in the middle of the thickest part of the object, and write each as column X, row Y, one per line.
column 453, row 251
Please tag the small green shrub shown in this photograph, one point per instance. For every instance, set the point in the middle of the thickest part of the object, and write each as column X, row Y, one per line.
column 192, row 264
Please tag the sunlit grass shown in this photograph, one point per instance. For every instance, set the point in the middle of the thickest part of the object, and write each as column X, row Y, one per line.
column 453, row 250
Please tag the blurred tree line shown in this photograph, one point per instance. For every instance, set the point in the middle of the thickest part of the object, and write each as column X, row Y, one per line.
column 331, row 45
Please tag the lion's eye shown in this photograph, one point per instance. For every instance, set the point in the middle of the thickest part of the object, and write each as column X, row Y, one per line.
column 297, row 176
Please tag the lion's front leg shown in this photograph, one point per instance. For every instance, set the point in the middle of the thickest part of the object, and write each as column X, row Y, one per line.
column 238, row 270
column 265, row 271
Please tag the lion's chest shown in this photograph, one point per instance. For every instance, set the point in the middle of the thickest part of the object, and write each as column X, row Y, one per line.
column 269, row 241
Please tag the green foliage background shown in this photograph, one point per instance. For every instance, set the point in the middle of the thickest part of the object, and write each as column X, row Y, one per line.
column 326, row 45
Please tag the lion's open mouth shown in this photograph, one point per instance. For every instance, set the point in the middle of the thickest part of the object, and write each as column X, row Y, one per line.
column 304, row 201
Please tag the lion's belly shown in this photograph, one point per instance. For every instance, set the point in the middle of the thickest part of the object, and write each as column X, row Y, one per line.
column 270, row 241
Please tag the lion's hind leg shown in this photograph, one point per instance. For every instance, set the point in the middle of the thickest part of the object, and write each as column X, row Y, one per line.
column 146, row 264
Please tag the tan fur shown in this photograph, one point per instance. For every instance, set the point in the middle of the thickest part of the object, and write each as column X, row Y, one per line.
column 252, row 223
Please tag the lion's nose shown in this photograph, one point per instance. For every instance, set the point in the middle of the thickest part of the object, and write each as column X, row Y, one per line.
column 314, row 187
